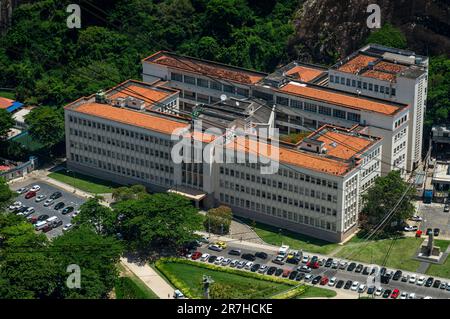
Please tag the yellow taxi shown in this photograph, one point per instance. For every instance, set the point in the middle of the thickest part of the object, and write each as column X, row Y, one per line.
column 222, row 244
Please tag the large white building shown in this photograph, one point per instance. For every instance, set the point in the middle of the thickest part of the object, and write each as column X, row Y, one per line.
column 298, row 93
column 315, row 191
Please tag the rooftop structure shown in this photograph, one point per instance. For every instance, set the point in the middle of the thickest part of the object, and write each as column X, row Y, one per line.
column 9, row 105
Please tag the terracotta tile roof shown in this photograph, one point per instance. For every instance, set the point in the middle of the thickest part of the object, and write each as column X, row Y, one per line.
column 356, row 64
column 341, row 99
column 202, row 67
column 148, row 93
column 122, row 115
column 380, row 75
column 304, row 73
column 293, row 157
column 389, row 67
column 5, row 103
column 342, row 145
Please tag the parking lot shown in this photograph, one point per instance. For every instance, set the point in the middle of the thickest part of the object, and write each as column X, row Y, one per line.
column 345, row 275
column 434, row 217
column 67, row 198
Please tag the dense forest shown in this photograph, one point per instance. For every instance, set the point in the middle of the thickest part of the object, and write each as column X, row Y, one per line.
column 46, row 63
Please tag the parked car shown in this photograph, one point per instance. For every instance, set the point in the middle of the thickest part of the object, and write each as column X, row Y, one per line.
column 69, row 226
column 300, row 276
column 397, row 275
column 436, row 232
column 55, row 195
column 196, row 255
column 35, row 188
column 234, row 263
column 308, row 277
column 215, row 247
column 405, row 278
column 366, row 270
column 241, row 264
column 278, row 261
column 212, row 259
column 371, row 290
column 263, row 269
column 443, row 285
column 362, row 288
column 47, row 228
column 332, row 282
column 305, row 259
column 30, row 194
column 40, row 198
column 446, row 208
column 248, row 265
column 235, row 252
column 59, row 206
column 348, row 284
column 429, row 282
column 218, row 260
column 261, row 255
column 359, row 268
column 279, row 271
column 395, row 293
column 67, row 210
column 204, row 257
column 222, row 244
column 316, row 280
column 429, row 231
column 412, row 279
column 271, row 270
column 335, row 264
column 379, row 291
column 404, row 295
column 57, row 223
column 324, row 280
column 255, row 267
column 355, row 286
column 226, row 262
column 411, row 228
column 49, row 202
column 339, row 284
column 437, row 283
column 39, row 225
column 178, row 294
column 387, row 293
column 304, row 268
column 293, row 274
column 286, row 273
column 420, row 281
column 412, row 296
column 249, row 257
column 15, row 205
column 417, row 218
column 329, row 262
column 351, row 267
column 22, row 190
column 343, row 265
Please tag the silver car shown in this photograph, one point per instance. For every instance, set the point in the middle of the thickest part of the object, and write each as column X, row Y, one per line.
column 49, row 202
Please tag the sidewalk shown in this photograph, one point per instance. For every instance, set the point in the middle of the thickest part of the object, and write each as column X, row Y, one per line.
column 150, row 277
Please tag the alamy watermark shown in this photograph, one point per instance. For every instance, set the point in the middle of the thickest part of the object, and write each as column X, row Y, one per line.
column 234, row 146
column 74, row 279
column 74, row 19
column 374, row 19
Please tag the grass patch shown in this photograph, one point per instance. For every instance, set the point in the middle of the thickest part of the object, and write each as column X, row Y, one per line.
column 84, row 182
column 315, row 292
column 444, row 269
column 133, row 288
column 374, row 252
column 8, row 95
column 294, row 138
column 271, row 235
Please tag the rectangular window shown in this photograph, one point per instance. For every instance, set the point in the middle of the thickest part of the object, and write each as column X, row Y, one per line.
column 189, row 79
column 296, row 104
column 242, row 92
column 176, row 77
column 202, row 83
column 324, row 110
column 282, row 100
column 354, row 83
column 370, row 87
column 332, row 78
column 216, row 86
column 353, row 117
column 376, row 87
column 339, row 113
column 228, row 88
column 342, row 81
column 310, row 107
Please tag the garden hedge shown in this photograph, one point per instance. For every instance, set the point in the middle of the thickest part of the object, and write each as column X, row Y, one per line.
column 187, row 292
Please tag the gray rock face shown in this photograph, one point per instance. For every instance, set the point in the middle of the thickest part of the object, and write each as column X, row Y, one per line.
column 330, row 29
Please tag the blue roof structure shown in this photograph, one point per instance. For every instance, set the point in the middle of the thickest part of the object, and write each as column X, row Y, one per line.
column 14, row 106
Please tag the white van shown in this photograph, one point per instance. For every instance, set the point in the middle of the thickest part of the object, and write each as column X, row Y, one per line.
column 52, row 219
column 40, row 225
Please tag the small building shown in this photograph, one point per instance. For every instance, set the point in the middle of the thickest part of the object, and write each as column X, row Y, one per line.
column 9, row 105
column 440, row 139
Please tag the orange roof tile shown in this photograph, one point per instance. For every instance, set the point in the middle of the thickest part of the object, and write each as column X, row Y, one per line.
column 390, row 67
column 141, row 92
column 343, row 146
column 380, row 75
column 5, row 103
column 290, row 156
column 211, row 69
column 352, row 102
column 356, row 64
column 304, row 73
column 151, row 122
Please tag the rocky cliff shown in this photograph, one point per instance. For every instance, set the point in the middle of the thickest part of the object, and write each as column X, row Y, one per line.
column 330, row 29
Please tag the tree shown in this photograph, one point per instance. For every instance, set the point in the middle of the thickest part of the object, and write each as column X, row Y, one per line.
column 377, row 203
column 101, row 218
column 125, row 193
column 6, row 123
column 218, row 220
column 46, row 125
column 96, row 256
column 388, row 35
column 6, row 195
column 157, row 221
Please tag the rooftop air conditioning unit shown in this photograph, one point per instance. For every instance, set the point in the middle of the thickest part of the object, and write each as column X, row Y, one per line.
column 119, row 102
column 134, row 103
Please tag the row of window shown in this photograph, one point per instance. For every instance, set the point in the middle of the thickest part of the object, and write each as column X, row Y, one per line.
column 215, row 85
column 399, row 147
column 400, row 134
column 277, row 212
column 362, row 85
column 125, row 171
column 401, row 121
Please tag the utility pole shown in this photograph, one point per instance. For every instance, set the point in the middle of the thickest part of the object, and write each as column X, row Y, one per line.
column 207, row 281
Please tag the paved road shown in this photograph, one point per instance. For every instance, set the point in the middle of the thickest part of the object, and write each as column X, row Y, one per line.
column 345, row 275
column 434, row 217
column 68, row 198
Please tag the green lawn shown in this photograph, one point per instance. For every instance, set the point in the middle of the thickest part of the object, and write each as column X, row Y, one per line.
column 272, row 236
column 133, row 288
column 238, row 287
column 314, row 292
column 84, row 182
column 375, row 252
column 444, row 269
column 7, row 94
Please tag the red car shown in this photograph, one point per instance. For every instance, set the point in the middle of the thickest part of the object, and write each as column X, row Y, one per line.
column 30, row 195
column 47, row 228
column 196, row 255
column 313, row 265
column 324, row 280
column 395, row 293
column 286, row 272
